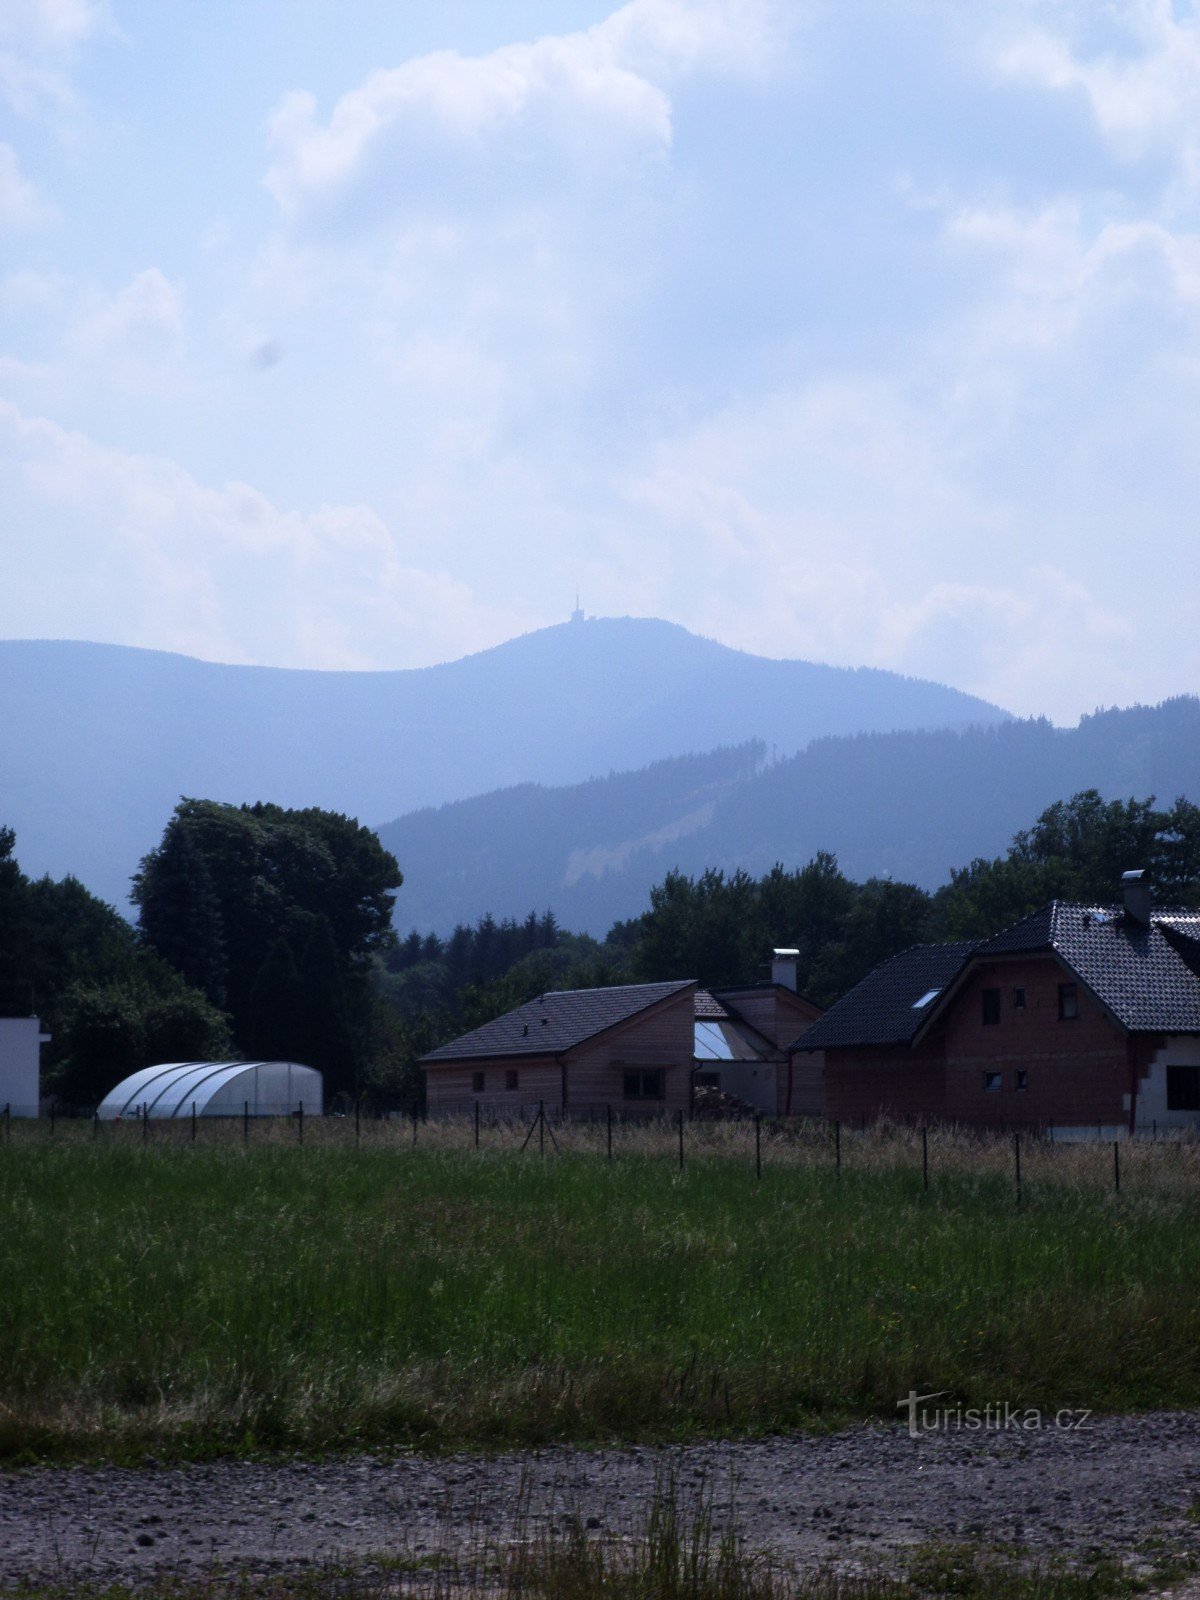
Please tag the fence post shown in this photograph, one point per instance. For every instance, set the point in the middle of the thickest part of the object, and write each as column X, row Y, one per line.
column 608, row 1108
column 1017, row 1154
column 1117, row 1165
column 837, row 1148
column 357, row 1129
column 193, row 1122
column 8, row 1119
column 300, row 1125
column 925, row 1156
column 680, row 1116
column 245, row 1122
column 96, row 1123
column 414, row 1127
column 145, row 1122
column 477, row 1124
column 52, row 1119
column 757, row 1145
column 541, row 1127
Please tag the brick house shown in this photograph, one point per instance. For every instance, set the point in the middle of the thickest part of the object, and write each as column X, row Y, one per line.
column 629, row 1046
column 1081, row 1018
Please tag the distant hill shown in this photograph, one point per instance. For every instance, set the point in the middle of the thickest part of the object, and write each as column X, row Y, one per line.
column 97, row 742
column 907, row 805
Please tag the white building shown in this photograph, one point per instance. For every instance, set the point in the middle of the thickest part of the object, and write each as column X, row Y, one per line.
column 21, row 1039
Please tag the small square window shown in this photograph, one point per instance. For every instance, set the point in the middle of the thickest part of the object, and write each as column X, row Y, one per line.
column 477, row 1081
column 1068, row 1002
column 992, row 1082
column 510, row 1077
column 643, row 1085
column 1018, row 999
column 1183, row 1088
column 1022, row 1080
column 991, row 1005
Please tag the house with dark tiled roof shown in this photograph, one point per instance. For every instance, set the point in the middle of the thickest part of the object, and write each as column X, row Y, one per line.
column 628, row 1046
column 1081, row 1018
column 637, row 1047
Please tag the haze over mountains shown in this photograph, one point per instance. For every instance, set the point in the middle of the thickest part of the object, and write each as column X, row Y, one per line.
column 98, row 742
column 907, row 805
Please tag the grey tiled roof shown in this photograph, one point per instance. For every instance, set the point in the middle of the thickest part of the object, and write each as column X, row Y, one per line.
column 882, row 1010
column 707, row 1006
column 558, row 1020
column 1147, row 977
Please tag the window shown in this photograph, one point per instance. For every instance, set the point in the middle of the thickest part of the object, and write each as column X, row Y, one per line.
column 991, row 1005
column 510, row 1077
column 992, row 1082
column 477, row 1083
column 1068, row 1002
column 1018, row 999
column 1183, row 1088
column 930, row 994
column 1022, row 1080
column 641, row 1084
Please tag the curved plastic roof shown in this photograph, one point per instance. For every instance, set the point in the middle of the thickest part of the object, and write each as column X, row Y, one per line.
column 214, row 1088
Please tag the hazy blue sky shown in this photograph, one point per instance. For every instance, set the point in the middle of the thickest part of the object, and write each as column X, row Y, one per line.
column 358, row 332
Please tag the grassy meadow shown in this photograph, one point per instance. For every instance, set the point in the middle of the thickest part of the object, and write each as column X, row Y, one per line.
column 183, row 1299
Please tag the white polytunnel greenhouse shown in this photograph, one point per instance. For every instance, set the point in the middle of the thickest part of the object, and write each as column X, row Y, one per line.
column 216, row 1089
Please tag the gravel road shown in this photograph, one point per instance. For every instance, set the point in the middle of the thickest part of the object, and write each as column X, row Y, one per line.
column 854, row 1498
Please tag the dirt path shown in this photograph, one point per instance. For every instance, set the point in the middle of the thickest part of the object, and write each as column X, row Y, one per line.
column 1125, row 1486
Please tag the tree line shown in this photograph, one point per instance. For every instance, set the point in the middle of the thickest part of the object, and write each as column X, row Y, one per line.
column 267, row 933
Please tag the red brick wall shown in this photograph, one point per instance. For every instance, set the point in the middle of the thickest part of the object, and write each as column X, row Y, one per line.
column 1078, row 1072
column 862, row 1085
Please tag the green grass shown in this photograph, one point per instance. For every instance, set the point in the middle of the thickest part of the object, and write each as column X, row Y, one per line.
column 185, row 1301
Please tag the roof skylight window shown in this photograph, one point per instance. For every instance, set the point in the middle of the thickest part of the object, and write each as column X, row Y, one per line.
column 930, row 994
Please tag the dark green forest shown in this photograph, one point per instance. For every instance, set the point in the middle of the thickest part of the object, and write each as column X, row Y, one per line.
column 268, row 933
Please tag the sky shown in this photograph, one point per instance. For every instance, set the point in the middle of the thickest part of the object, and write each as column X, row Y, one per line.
column 362, row 333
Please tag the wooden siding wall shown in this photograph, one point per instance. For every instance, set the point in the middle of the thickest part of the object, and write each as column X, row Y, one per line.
column 660, row 1038
column 595, row 1072
column 448, row 1084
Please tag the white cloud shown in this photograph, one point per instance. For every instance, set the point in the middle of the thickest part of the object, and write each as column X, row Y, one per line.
column 21, row 206
column 220, row 573
column 39, row 40
column 51, row 25
column 140, row 326
column 594, row 98
column 1145, row 97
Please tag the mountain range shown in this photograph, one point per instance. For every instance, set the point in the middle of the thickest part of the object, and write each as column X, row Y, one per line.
column 909, row 805
column 98, row 742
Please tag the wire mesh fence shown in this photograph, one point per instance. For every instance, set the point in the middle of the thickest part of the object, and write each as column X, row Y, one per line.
column 1148, row 1157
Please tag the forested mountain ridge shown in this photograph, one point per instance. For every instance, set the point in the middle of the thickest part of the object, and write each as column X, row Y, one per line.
column 98, row 742
column 906, row 805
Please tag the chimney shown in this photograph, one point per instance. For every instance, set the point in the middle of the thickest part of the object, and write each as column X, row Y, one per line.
column 783, row 968
column 1136, row 888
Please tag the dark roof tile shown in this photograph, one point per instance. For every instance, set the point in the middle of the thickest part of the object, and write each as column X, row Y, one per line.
column 1145, row 976
column 556, row 1021
column 882, row 1009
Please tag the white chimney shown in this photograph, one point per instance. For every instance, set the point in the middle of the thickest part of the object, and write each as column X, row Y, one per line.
column 783, row 968
column 1136, row 888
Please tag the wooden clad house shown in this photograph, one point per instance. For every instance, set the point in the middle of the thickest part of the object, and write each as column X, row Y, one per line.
column 742, row 1041
column 1084, row 1018
column 629, row 1046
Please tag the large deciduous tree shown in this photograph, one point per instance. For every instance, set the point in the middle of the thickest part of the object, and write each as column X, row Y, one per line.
column 241, row 881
